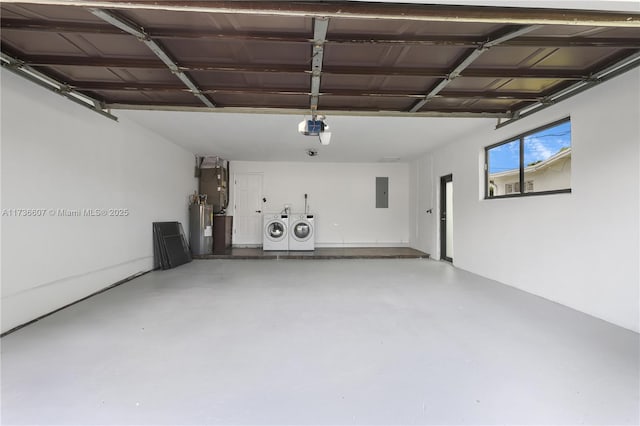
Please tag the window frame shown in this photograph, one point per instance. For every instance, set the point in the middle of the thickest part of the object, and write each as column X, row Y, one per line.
column 520, row 138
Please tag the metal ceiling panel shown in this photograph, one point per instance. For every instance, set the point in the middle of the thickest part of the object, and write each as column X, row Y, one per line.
column 576, row 57
column 394, row 27
column 45, row 12
column 449, row 104
column 148, row 97
column 299, row 81
column 564, row 31
column 528, row 85
column 364, row 103
column 122, row 75
column 533, row 57
column 85, row 45
column 237, row 51
column 376, row 82
column 221, row 22
column 263, row 101
column 38, row 43
column 344, row 55
column 389, row 55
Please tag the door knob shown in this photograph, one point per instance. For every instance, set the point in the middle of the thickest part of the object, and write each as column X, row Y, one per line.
column 258, row 211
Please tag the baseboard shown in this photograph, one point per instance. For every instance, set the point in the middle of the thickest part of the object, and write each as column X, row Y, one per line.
column 109, row 287
column 362, row 244
column 339, row 245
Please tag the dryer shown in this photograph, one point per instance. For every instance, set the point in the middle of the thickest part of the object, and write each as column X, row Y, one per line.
column 302, row 232
column 275, row 231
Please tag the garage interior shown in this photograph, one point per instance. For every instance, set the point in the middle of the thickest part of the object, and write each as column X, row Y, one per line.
column 449, row 296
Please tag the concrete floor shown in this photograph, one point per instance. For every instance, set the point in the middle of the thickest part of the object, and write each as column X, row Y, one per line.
column 321, row 342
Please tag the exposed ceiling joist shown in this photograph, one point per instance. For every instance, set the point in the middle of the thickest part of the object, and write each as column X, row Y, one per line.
column 468, row 59
column 155, row 47
column 451, row 40
column 414, row 12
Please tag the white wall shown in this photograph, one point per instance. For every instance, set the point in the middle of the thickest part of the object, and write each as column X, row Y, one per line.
column 342, row 195
column 579, row 249
column 58, row 155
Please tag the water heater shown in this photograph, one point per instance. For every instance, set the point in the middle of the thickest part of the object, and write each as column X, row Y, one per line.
column 201, row 229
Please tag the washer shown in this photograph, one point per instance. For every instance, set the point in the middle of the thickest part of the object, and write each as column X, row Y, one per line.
column 302, row 232
column 275, row 235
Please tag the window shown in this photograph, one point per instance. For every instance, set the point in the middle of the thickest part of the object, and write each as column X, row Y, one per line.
column 536, row 162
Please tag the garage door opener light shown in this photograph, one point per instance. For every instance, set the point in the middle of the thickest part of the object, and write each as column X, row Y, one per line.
column 316, row 126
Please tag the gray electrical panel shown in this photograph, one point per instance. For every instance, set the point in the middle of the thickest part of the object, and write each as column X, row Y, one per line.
column 382, row 192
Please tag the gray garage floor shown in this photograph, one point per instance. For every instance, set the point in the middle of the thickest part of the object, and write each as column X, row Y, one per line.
column 319, row 342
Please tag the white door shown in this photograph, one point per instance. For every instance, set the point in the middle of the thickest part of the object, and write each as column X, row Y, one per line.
column 247, row 218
